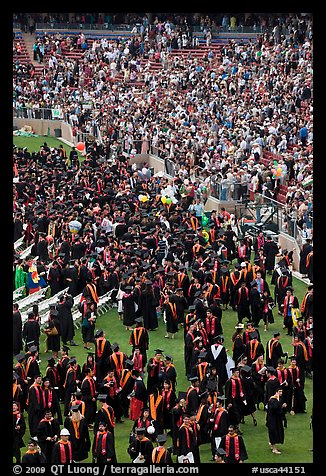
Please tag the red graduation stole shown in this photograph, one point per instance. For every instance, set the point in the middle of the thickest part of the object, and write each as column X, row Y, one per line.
column 47, row 402
column 236, row 445
column 63, row 457
column 234, row 387
column 103, row 442
column 218, row 416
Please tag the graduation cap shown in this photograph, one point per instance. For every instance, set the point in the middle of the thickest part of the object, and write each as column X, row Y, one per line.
column 276, row 334
column 161, row 438
column 289, row 288
column 128, row 363
column 193, row 379
column 140, row 431
column 202, row 355
column 239, row 326
column 191, row 308
column 221, row 399
column 54, row 312
column 148, row 283
column 72, row 361
column 15, row 375
column 182, row 395
column 98, row 333
column 33, row 440
column 33, row 348
column 270, row 369
column 168, row 357
column 219, row 452
column 245, row 368
column 102, row 397
column 218, row 338
column 19, row 357
column 51, row 359
column 115, row 346
column 128, row 288
column 139, row 320
column 293, row 357
column 158, row 351
column 65, row 348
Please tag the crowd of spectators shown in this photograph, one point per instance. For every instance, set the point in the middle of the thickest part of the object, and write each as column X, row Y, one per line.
column 212, row 116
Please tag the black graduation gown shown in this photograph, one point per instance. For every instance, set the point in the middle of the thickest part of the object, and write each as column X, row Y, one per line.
column 35, row 408
column 249, row 391
column 129, row 313
column 33, row 458
column 105, row 414
column 192, row 399
column 47, row 429
column 305, row 250
column 296, row 396
column 219, row 362
column 188, row 352
column 67, row 329
column 81, row 445
column 255, row 306
column 51, row 402
column 270, row 388
column 183, row 446
column 238, row 347
column 18, row 419
column 87, row 396
column 270, row 251
column 171, row 319
column 53, row 341
column 277, row 353
column 17, row 336
column 56, row 453
column 104, row 452
column 154, row 374
column 139, row 338
column 54, row 280
column 102, row 359
column 144, row 447
column 274, row 420
column 148, row 306
column 236, row 411
column 231, row 458
column 31, row 332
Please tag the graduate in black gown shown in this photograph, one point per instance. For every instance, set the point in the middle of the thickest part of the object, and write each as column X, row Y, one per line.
column 234, row 446
column 148, row 305
column 275, row 419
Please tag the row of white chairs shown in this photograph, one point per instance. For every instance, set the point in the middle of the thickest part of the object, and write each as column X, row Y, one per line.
column 31, row 299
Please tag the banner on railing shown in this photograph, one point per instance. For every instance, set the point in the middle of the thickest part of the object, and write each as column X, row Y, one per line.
column 57, row 113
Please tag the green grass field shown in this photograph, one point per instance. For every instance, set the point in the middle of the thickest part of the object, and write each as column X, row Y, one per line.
column 298, row 435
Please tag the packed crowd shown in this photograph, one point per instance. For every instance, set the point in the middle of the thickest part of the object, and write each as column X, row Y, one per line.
column 103, row 225
column 212, row 117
